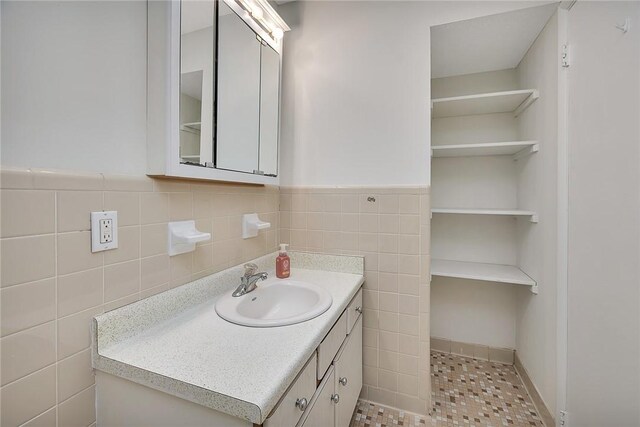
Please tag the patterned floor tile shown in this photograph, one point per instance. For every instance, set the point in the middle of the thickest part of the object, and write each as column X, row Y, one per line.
column 372, row 415
column 466, row 392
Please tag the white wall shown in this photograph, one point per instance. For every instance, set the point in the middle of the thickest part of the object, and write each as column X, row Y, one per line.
column 473, row 311
column 537, row 190
column 74, row 85
column 356, row 89
column 603, row 384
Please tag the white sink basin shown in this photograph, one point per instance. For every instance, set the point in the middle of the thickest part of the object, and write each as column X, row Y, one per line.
column 275, row 302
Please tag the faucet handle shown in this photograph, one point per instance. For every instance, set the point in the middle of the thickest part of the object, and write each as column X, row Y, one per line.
column 250, row 269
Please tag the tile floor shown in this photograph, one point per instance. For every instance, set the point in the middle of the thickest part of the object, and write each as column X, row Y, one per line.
column 368, row 414
column 466, row 392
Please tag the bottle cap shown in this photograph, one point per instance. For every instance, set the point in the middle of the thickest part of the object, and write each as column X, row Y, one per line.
column 283, row 248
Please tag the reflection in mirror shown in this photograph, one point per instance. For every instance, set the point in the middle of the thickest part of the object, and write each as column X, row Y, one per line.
column 197, row 49
column 190, row 116
column 238, row 93
column 269, row 110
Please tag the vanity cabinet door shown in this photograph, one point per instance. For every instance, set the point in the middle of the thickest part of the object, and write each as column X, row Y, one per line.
column 348, row 375
column 321, row 412
column 296, row 400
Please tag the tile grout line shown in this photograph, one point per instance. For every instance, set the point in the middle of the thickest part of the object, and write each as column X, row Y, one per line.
column 30, row 374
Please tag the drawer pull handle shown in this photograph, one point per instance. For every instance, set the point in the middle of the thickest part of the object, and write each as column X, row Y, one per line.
column 335, row 398
column 359, row 309
column 343, row 380
column 301, row 404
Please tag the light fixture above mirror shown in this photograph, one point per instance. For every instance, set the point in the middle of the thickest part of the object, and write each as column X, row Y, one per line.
column 266, row 17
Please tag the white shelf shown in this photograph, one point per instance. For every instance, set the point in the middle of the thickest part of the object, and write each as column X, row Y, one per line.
column 513, row 101
column 481, row 271
column 515, row 148
column 501, row 212
column 193, row 127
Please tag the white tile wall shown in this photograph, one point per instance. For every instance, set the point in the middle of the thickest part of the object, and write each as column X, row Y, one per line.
column 392, row 234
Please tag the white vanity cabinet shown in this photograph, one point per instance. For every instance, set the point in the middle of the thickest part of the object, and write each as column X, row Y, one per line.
column 169, row 374
column 338, row 392
column 338, row 365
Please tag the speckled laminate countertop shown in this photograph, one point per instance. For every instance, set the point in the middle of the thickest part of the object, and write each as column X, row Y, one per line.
column 176, row 343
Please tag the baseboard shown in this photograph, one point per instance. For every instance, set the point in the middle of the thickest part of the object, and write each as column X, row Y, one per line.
column 477, row 351
column 544, row 412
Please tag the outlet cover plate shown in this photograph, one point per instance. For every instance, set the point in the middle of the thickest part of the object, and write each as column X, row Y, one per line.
column 96, row 217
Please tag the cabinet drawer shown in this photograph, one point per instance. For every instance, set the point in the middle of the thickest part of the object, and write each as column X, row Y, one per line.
column 287, row 413
column 354, row 310
column 331, row 344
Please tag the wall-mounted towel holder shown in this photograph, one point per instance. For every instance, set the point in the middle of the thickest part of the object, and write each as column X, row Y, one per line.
column 251, row 224
column 183, row 237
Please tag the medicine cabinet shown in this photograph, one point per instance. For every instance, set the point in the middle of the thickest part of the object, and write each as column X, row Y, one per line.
column 214, row 90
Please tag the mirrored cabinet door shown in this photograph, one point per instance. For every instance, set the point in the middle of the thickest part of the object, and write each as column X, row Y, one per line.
column 238, row 114
column 269, row 110
column 197, row 80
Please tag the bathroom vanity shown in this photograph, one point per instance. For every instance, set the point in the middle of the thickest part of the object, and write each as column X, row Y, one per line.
column 172, row 360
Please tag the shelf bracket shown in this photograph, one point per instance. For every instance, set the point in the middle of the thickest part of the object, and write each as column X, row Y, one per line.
column 525, row 104
column 534, row 219
column 534, row 289
column 526, row 152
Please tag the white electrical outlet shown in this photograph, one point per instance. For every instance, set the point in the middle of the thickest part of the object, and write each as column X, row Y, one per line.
column 104, row 231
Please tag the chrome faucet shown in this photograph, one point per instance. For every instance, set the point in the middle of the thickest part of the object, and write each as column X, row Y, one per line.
column 248, row 281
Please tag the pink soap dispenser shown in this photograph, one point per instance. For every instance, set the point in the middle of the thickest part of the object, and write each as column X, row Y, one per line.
column 283, row 263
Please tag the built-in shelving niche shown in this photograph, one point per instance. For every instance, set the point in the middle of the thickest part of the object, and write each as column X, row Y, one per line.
column 510, row 101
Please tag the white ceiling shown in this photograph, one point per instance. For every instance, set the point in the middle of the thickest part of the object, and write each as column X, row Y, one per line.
column 496, row 42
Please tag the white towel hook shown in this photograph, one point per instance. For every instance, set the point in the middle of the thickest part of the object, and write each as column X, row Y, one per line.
column 624, row 27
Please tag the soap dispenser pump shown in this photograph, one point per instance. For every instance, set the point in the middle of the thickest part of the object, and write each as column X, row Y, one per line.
column 283, row 263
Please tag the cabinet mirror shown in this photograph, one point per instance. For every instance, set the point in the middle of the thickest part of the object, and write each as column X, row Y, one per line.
column 229, row 92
